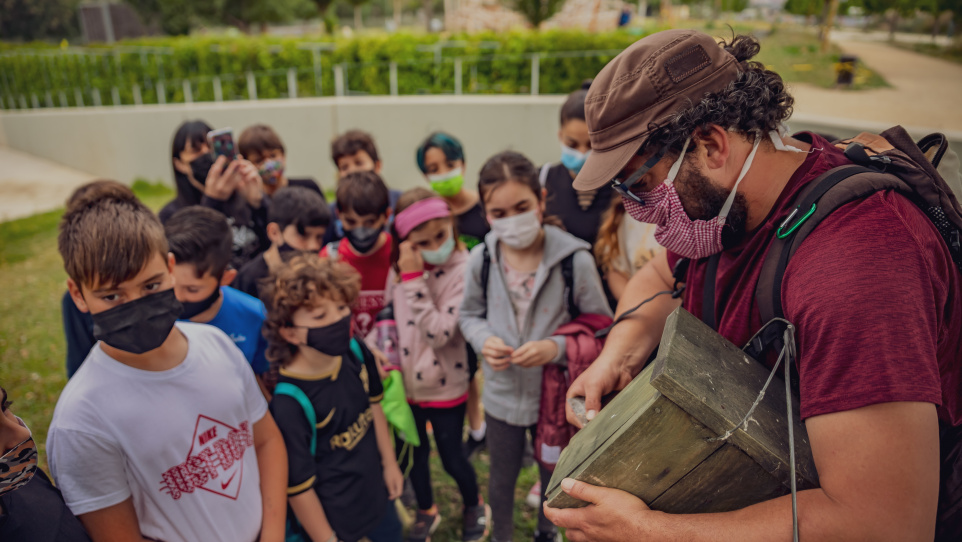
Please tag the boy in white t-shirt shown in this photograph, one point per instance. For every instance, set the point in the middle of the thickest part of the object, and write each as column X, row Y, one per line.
column 163, row 433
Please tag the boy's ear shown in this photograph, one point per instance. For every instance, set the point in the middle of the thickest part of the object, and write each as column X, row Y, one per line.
column 228, row 277
column 377, row 167
column 171, row 262
column 76, row 295
column 274, row 234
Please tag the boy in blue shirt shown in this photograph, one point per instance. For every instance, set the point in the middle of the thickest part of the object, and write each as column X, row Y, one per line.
column 200, row 240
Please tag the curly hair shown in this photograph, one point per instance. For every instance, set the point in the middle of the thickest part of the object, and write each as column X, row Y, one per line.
column 301, row 282
column 756, row 102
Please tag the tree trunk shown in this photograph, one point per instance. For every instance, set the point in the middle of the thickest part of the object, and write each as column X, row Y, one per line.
column 427, row 6
column 829, row 22
column 893, row 24
column 357, row 17
column 398, row 7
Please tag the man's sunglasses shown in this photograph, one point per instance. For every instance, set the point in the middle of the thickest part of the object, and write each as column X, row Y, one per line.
column 624, row 187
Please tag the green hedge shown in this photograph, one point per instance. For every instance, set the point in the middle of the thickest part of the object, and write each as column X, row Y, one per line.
column 491, row 63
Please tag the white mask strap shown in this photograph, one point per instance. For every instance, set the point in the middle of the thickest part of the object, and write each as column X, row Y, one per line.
column 673, row 172
column 731, row 197
column 776, row 137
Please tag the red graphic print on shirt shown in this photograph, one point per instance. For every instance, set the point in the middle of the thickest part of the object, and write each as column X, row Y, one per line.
column 214, row 463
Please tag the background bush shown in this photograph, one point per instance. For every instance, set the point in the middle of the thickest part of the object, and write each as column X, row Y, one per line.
column 491, row 63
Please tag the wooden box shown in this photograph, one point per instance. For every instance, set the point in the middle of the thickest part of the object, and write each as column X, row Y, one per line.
column 658, row 438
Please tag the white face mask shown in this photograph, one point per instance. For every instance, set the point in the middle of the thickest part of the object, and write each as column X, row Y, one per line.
column 518, row 231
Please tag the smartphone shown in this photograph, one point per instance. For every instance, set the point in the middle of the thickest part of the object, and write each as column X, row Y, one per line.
column 221, row 143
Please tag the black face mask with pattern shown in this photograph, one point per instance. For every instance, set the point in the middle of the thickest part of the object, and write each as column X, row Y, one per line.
column 333, row 339
column 140, row 325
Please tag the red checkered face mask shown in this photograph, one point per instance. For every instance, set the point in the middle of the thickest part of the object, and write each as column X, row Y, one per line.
column 676, row 231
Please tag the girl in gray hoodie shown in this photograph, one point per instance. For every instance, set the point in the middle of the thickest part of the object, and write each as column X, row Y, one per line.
column 512, row 316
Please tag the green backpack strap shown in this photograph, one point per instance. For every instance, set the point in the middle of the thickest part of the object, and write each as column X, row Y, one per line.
column 356, row 350
column 290, row 390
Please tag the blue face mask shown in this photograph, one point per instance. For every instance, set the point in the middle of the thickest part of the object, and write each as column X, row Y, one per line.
column 573, row 159
column 442, row 254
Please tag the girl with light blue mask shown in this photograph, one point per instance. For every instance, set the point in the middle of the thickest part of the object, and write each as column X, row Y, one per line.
column 580, row 212
column 425, row 288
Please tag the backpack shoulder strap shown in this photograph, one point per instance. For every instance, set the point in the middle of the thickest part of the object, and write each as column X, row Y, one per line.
column 356, row 350
column 290, row 390
column 708, row 292
column 568, row 273
column 485, row 274
column 543, row 174
column 820, row 198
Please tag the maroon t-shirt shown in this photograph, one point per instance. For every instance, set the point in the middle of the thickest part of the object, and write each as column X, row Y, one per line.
column 872, row 291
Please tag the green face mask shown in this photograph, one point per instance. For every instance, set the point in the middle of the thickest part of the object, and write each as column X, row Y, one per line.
column 447, row 184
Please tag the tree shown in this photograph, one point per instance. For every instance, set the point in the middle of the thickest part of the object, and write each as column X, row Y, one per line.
column 538, row 11
column 358, row 5
column 892, row 9
column 180, row 16
column 29, row 20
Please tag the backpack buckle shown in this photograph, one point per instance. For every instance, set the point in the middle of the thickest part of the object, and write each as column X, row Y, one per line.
column 857, row 154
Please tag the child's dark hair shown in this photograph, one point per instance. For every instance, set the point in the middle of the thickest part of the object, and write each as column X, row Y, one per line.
column 302, row 281
column 299, row 207
column 574, row 106
column 107, row 235
column 352, row 142
column 202, row 237
column 363, row 192
column 511, row 166
column 406, row 200
column 448, row 144
column 257, row 140
column 194, row 132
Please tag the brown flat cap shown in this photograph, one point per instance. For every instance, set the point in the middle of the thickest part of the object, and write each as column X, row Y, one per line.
column 654, row 78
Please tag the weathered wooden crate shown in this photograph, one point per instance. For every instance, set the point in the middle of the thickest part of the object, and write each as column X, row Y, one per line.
column 659, row 438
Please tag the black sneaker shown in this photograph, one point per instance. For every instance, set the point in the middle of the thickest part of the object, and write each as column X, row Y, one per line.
column 472, row 446
column 547, row 537
column 476, row 521
column 424, row 526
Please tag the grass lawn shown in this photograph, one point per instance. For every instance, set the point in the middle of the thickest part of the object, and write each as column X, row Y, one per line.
column 792, row 51
column 952, row 53
column 32, row 351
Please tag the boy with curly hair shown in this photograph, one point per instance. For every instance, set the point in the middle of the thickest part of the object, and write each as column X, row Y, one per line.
column 343, row 474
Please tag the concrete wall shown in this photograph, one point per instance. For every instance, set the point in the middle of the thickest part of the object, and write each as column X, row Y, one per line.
column 129, row 142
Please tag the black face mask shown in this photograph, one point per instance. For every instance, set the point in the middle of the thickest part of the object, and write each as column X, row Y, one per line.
column 140, row 325
column 200, row 167
column 333, row 339
column 193, row 308
column 362, row 239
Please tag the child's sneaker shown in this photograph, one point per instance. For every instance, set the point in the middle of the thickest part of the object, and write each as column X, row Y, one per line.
column 424, row 526
column 476, row 521
column 533, row 499
column 547, row 537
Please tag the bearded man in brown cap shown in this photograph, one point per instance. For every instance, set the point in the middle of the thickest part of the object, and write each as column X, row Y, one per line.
column 690, row 132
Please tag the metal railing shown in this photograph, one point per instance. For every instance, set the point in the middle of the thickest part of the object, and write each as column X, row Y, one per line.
column 521, row 73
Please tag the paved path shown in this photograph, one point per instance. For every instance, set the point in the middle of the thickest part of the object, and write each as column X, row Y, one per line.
column 30, row 185
column 926, row 92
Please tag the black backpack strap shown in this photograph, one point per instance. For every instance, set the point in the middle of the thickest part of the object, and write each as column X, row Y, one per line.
column 708, row 293
column 568, row 273
column 818, row 200
column 485, row 273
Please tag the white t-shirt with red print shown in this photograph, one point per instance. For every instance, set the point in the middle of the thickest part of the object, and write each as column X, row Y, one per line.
column 178, row 442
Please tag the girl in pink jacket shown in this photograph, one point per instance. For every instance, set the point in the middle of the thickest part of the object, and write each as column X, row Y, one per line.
column 426, row 285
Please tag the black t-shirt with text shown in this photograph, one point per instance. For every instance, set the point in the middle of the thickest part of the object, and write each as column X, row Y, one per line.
column 346, row 468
